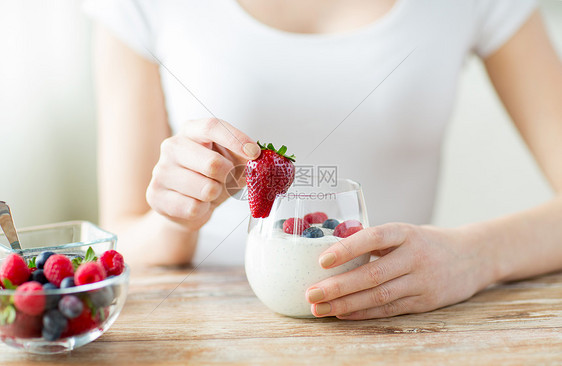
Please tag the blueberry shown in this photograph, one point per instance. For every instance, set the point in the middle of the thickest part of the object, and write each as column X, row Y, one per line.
column 102, row 297
column 42, row 258
column 279, row 224
column 313, row 232
column 51, row 335
column 49, row 286
column 330, row 224
column 70, row 306
column 67, row 282
column 39, row 276
column 53, row 324
column 51, row 300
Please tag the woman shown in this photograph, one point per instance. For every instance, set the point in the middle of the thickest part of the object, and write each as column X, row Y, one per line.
column 361, row 85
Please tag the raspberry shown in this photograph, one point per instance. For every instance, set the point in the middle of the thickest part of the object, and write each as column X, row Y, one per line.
column 347, row 228
column 29, row 302
column 292, row 227
column 14, row 269
column 58, row 267
column 89, row 272
column 112, row 262
column 315, row 218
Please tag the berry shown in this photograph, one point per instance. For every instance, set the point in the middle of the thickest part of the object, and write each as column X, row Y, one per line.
column 54, row 323
column 49, row 286
column 67, row 282
column 70, row 306
column 14, row 269
column 347, row 228
column 315, row 218
column 89, row 272
column 29, row 298
column 42, row 258
column 39, row 276
column 83, row 323
column 330, row 224
column 58, row 267
column 294, row 226
column 313, row 232
column 279, row 224
column 112, row 262
column 52, row 300
column 102, row 297
column 24, row 326
column 272, row 173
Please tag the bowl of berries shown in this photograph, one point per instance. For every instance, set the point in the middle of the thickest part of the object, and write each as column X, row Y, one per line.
column 64, row 289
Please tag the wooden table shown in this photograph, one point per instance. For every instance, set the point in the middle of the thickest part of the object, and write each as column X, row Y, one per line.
column 213, row 317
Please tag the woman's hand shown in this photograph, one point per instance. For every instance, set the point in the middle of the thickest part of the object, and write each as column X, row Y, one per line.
column 188, row 181
column 420, row 268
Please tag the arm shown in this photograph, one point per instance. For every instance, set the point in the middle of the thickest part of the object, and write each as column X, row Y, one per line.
column 155, row 190
column 422, row 268
column 527, row 75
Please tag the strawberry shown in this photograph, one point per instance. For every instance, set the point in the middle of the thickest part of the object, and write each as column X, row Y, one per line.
column 315, row 218
column 295, row 226
column 58, row 267
column 272, row 173
column 89, row 272
column 24, row 326
column 347, row 228
column 84, row 322
column 14, row 269
column 112, row 262
column 29, row 302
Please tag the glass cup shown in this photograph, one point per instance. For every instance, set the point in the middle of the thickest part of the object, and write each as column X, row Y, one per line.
column 282, row 262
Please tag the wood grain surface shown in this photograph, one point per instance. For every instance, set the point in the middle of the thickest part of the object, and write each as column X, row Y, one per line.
column 213, row 317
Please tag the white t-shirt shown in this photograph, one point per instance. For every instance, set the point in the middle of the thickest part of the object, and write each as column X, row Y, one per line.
column 296, row 89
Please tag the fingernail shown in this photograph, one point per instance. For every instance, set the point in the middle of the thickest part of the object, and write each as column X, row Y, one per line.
column 323, row 309
column 315, row 295
column 327, row 260
column 252, row 150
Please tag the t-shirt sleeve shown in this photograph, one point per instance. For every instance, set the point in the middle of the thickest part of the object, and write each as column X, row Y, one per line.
column 131, row 21
column 497, row 21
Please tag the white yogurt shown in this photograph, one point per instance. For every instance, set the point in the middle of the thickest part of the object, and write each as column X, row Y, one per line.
column 281, row 267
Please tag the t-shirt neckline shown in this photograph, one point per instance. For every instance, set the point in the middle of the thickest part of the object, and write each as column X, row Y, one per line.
column 367, row 29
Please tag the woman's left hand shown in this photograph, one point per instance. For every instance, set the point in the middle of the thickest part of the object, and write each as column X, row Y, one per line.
column 420, row 268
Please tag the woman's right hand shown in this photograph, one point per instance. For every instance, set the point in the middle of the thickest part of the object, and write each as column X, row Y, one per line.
column 188, row 181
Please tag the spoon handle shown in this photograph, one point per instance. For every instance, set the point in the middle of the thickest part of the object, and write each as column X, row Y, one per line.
column 8, row 227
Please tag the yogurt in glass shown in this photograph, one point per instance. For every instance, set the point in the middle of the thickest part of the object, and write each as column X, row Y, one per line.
column 280, row 267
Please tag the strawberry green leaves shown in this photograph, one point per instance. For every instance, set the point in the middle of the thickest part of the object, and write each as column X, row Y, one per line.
column 90, row 256
column 282, row 150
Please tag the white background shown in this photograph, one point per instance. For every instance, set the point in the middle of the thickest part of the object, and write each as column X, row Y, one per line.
column 48, row 133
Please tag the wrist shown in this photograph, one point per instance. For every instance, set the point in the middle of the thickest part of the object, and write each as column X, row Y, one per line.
column 484, row 252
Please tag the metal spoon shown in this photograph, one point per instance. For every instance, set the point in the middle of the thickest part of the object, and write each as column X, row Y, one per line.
column 8, row 227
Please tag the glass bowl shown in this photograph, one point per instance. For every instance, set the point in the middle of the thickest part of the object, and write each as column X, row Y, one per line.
column 282, row 262
column 101, row 301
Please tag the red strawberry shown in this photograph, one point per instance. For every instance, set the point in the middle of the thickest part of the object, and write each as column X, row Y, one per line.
column 84, row 322
column 58, row 267
column 272, row 173
column 24, row 326
column 89, row 272
column 347, row 228
column 29, row 302
column 292, row 227
column 113, row 263
column 14, row 269
column 315, row 218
